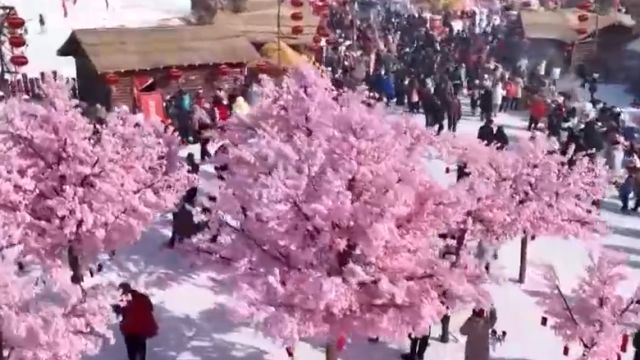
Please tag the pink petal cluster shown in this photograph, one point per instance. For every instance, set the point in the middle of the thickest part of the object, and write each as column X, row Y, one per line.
column 51, row 319
column 67, row 182
column 594, row 315
column 328, row 219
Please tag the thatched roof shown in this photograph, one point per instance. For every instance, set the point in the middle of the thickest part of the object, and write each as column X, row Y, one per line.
column 120, row 49
column 561, row 24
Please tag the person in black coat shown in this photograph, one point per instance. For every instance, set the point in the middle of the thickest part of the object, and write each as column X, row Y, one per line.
column 486, row 104
column 500, row 138
column 417, row 348
column 486, row 133
column 636, row 345
column 592, row 137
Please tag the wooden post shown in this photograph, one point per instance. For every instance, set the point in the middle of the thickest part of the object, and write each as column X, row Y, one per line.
column 331, row 352
column 524, row 244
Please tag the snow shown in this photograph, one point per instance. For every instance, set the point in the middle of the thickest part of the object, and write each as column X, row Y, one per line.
column 190, row 306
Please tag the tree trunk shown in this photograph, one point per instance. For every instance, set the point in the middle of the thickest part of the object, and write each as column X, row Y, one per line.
column 524, row 244
column 1, row 346
column 331, row 351
column 444, row 337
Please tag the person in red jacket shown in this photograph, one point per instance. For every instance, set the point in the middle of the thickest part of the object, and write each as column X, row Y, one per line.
column 138, row 323
column 537, row 112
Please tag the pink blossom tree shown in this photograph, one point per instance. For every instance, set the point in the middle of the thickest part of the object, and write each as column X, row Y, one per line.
column 593, row 314
column 529, row 191
column 328, row 220
column 72, row 189
column 52, row 319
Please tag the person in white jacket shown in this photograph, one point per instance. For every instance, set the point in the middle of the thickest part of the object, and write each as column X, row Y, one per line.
column 498, row 94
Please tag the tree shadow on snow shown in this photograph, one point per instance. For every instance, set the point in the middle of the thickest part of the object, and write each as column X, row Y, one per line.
column 625, row 231
column 150, row 264
column 207, row 336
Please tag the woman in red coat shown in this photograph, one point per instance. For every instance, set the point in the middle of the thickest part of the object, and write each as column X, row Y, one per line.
column 138, row 323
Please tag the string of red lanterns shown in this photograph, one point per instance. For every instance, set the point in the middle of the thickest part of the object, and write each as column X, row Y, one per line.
column 297, row 16
column 16, row 40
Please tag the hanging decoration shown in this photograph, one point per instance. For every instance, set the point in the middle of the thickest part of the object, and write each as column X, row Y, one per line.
column 582, row 31
column 624, row 343
column 297, row 16
column 14, row 22
column 175, row 74
column 322, row 31
column 222, row 70
column 297, row 30
column 17, row 41
column 583, row 17
column 297, row 3
column 19, row 60
column 585, row 6
column 565, row 350
column 111, row 79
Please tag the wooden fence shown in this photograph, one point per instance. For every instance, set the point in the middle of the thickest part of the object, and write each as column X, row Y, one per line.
column 24, row 85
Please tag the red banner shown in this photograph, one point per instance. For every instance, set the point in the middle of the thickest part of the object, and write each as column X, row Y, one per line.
column 151, row 106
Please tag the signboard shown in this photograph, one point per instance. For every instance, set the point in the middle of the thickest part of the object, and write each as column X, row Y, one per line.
column 152, row 106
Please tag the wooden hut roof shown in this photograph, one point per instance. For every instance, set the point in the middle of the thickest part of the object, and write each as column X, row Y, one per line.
column 561, row 24
column 121, row 49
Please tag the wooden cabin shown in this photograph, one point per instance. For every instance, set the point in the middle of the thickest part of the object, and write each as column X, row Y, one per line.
column 143, row 57
column 596, row 45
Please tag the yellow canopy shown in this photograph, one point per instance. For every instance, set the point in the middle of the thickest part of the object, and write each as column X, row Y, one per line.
column 288, row 57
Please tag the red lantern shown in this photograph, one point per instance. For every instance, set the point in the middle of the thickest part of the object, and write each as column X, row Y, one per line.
column 17, row 41
column 322, row 31
column 297, row 30
column 175, row 74
column 583, row 17
column 222, row 70
column 543, row 321
column 19, row 60
column 586, row 6
column 565, row 350
column 111, row 79
column 297, row 16
column 320, row 9
column 582, row 31
column 341, row 342
column 297, row 3
column 624, row 343
column 14, row 22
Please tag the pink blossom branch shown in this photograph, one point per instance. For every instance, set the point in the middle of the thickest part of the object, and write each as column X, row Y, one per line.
column 568, row 308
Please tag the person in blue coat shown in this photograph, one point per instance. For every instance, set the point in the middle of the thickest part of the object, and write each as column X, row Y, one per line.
column 388, row 88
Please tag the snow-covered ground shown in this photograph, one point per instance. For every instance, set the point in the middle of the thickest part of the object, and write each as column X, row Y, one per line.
column 189, row 305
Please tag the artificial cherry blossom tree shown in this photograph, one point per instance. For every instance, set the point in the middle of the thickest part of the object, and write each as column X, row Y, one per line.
column 51, row 319
column 594, row 314
column 529, row 190
column 328, row 220
column 72, row 189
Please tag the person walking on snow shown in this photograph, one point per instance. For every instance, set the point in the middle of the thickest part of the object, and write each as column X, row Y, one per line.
column 138, row 323
column 477, row 329
column 43, row 27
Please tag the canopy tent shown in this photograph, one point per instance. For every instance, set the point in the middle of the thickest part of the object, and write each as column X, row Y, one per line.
column 284, row 55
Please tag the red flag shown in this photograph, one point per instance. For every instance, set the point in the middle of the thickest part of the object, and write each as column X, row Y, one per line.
column 624, row 343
